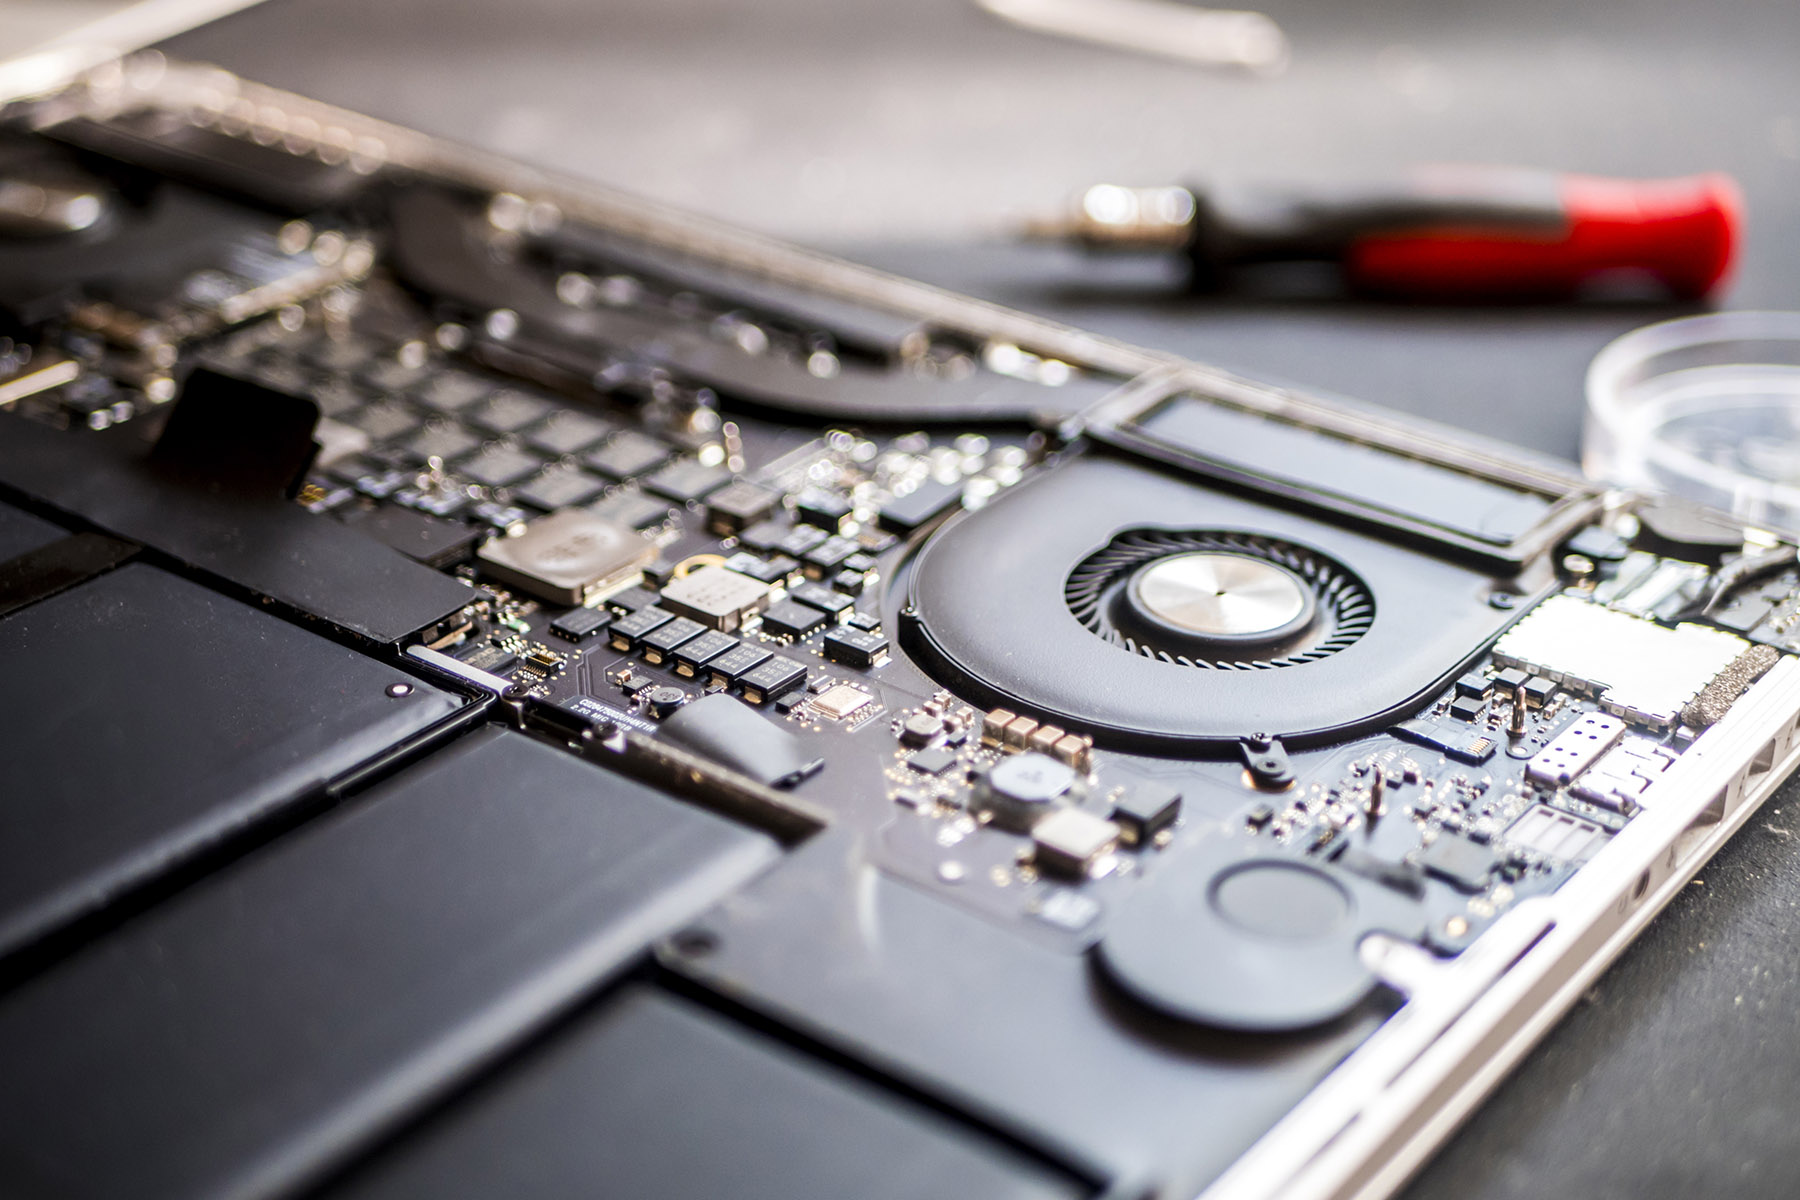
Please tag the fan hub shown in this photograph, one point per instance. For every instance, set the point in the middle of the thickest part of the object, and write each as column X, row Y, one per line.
column 1221, row 597
column 1217, row 599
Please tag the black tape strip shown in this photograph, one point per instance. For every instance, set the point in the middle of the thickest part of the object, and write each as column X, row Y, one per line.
column 40, row 574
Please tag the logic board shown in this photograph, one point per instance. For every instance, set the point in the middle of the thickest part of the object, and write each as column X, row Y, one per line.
column 1173, row 693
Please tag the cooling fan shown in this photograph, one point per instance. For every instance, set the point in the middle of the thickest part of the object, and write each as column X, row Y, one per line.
column 1155, row 613
column 1219, row 600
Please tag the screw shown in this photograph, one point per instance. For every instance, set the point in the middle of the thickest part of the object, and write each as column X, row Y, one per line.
column 397, row 690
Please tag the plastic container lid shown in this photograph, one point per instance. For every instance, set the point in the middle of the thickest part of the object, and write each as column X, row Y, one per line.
column 1705, row 407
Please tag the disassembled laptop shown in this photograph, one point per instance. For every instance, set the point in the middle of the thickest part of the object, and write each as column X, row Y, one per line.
column 1196, row 787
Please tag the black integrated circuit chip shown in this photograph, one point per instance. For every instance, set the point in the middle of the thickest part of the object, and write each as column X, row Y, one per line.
column 691, row 657
column 855, row 647
column 686, row 479
column 766, row 570
column 934, row 761
column 823, row 509
column 825, row 558
column 631, row 508
column 507, row 411
column 628, row 630
column 384, row 420
column 485, row 656
column 1146, row 809
column 764, row 536
column 1463, row 864
column 567, row 431
column 559, row 487
column 818, row 596
column 444, row 440
column 451, row 391
column 777, row 677
column 499, row 465
column 657, row 644
column 791, row 619
column 920, row 507
column 581, row 624
column 739, row 506
column 1474, row 685
column 630, row 600
column 799, row 539
column 1467, row 708
column 627, row 454
column 735, row 663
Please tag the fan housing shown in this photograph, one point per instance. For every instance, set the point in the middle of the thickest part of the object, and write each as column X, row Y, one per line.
column 1159, row 615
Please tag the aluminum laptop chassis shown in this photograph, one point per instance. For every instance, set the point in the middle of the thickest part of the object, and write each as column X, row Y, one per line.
column 1467, row 1017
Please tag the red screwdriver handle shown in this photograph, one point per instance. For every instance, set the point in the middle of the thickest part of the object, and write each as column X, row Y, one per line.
column 1682, row 232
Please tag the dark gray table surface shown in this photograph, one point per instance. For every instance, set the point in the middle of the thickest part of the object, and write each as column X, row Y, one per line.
column 903, row 135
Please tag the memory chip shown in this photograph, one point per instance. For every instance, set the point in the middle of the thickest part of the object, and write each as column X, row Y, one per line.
column 777, row 677
column 657, row 644
column 691, row 657
column 734, row 664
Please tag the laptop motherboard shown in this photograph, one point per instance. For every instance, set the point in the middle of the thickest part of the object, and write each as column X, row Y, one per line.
column 1084, row 743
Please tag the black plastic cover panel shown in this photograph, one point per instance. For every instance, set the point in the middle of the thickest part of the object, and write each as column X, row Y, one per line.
column 994, row 1023
column 246, row 1035
column 1235, row 937
column 1361, row 473
column 728, row 731
column 287, row 183
column 653, row 1096
column 148, row 720
column 20, row 532
column 266, row 545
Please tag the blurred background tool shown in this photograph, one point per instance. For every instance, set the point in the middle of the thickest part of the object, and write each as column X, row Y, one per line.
column 1211, row 37
column 1449, row 233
